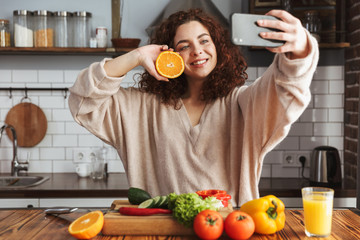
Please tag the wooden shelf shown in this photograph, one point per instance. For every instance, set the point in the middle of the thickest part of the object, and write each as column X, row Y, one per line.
column 62, row 51
column 334, row 45
column 321, row 45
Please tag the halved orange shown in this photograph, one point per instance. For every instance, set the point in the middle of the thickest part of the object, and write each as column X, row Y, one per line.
column 87, row 226
column 169, row 64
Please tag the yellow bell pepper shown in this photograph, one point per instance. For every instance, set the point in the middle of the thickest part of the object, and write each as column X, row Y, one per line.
column 267, row 213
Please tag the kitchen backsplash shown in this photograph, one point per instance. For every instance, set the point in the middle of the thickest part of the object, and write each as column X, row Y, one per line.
column 320, row 124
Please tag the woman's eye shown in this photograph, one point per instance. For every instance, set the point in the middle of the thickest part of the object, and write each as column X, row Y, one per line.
column 204, row 41
column 184, row 47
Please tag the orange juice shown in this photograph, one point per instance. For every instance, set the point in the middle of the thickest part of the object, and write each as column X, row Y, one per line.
column 318, row 214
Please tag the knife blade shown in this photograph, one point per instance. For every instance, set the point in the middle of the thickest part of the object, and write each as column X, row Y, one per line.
column 60, row 210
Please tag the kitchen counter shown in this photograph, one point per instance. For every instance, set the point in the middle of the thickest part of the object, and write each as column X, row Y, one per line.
column 69, row 185
column 34, row 224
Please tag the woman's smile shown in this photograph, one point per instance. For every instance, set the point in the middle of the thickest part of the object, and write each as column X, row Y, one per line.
column 199, row 63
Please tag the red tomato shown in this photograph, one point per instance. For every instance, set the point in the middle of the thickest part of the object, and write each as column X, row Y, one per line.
column 239, row 225
column 208, row 224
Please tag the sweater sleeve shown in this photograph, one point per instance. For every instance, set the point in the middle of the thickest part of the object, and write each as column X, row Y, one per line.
column 276, row 100
column 92, row 102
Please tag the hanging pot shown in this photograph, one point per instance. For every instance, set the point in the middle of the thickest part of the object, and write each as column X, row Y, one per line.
column 29, row 122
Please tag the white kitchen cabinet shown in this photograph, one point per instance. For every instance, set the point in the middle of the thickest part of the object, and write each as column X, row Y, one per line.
column 19, row 202
column 77, row 202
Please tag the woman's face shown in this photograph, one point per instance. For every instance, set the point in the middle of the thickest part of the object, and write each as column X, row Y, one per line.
column 193, row 42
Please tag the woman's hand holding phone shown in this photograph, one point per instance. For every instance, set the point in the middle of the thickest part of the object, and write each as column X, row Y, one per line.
column 291, row 31
column 278, row 31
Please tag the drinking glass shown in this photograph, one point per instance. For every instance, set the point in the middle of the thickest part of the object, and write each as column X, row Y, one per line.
column 97, row 168
column 318, row 208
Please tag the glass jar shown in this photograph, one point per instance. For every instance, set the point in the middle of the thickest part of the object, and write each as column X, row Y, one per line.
column 312, row 23
column 23, row 33
column 101, row 37
column 4, row 33
column 43, row 29
column 102, row 154
column 82, row 28
column 62, row 28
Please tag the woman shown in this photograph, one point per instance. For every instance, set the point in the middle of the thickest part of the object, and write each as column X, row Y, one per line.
column 203, row 130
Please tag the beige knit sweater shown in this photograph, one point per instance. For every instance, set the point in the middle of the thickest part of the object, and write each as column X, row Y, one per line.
column 163, row 153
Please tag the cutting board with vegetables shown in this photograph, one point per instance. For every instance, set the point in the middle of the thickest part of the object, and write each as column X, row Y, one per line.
column 159, row 224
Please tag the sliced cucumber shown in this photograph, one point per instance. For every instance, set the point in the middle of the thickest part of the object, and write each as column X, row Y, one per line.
column 157, row 201
column 164, row 202
column 147, row 204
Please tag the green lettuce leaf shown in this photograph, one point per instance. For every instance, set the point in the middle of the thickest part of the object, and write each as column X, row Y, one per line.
column 186, row 206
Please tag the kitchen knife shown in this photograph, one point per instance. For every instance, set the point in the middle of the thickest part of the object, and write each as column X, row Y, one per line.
column 60, row 210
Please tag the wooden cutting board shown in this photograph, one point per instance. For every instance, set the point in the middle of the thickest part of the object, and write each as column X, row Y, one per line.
column 117, row 224
column 30, row 124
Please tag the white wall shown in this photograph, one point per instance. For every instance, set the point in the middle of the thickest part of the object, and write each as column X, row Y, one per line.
column 320, row 124
column 101, row 10
column 148, row 10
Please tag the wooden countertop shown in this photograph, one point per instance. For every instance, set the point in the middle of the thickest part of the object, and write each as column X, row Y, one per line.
column 69, row 185
column 34, row 224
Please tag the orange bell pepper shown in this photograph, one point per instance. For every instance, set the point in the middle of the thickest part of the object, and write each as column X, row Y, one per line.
column 267, row 213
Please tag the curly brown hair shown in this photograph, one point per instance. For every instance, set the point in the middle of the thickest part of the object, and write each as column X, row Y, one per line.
column 228, row 73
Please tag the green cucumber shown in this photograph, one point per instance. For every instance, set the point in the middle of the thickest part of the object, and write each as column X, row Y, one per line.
column 137, row 196
column 164, row 202
column 157, row 201
column 147, row 204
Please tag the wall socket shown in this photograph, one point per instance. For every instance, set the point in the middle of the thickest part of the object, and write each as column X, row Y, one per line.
column 82, row 155
column 292, row 158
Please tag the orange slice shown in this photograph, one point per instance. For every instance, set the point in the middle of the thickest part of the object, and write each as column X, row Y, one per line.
column 87, row 226
column 169, row 64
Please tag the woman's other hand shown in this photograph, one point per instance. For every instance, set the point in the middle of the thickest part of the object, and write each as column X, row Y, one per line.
column 147, row 58
column 291, row 31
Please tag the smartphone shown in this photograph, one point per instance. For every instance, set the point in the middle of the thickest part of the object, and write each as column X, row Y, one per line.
column 245, row 31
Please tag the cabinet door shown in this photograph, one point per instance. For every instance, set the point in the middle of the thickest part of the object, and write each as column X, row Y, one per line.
column 19, row 202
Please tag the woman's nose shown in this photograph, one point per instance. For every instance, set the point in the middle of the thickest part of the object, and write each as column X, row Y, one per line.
column 197, row 50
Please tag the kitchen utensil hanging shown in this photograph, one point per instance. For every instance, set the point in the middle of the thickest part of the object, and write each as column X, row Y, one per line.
column 29, row 122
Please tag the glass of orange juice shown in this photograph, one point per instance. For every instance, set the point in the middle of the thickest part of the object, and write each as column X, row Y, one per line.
column 318, row 208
